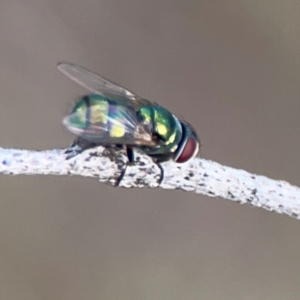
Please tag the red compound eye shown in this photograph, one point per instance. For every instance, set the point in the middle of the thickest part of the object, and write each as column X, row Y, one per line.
column 189, row 151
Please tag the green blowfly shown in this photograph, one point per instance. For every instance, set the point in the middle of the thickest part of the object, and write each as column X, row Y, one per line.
column 112, row 115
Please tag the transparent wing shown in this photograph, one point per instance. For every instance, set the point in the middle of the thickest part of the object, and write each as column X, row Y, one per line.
column 95, row 83
column 122, row 127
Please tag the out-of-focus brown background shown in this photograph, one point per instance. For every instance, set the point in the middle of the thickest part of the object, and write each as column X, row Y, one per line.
column 232, row 69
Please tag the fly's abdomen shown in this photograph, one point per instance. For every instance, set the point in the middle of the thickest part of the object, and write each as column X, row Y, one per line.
column 87, row 112
column 121, row 122
column 106, row 121
column 111, row 120
column 99, row 119
column 97, row 111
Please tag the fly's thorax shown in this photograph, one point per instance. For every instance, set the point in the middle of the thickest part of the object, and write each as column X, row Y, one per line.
column 166, row 129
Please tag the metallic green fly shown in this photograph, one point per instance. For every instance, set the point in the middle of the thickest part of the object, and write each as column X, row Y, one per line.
column 112, row 115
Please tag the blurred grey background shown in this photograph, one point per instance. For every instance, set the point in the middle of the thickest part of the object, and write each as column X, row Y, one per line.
column 232, row 69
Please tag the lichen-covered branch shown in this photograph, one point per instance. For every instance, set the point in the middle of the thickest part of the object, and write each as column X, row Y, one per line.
column 199, row 175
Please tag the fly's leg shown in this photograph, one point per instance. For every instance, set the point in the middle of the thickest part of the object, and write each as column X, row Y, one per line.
column 78, row 146
column 161, row 178
column 130, row 154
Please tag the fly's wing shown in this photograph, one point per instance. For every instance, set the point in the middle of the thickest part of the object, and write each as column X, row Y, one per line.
column 120, row 126
column 100, row 85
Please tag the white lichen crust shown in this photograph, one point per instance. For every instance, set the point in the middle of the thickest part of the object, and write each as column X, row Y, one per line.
column 215, row 180
column 199, row 175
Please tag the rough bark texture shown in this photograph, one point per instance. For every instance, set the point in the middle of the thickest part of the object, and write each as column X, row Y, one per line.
column 199, row 175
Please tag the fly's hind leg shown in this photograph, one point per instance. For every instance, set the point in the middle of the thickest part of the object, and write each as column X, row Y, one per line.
column 78, row 146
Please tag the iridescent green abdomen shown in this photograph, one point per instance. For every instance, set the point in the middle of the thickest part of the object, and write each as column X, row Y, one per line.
column 166, row 129
column 98, row 118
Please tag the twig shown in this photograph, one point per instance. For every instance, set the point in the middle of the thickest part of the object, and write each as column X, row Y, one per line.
column 199, row 175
